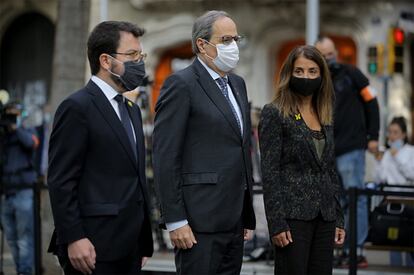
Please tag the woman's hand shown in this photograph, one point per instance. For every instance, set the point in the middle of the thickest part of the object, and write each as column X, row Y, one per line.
column 339, row 236
column 282, row 239
column 379, row 155
column 394, row 151
column 248, row 234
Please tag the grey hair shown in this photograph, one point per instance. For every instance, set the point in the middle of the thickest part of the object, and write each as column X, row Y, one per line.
column 203, row 27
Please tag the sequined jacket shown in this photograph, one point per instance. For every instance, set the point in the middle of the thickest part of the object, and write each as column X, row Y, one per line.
column 297, row 183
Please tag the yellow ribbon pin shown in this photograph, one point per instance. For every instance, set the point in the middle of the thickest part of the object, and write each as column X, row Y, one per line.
column 130, row 104
column 297, row 117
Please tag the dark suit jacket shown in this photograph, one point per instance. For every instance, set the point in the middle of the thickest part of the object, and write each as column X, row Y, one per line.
column 297, row 183
column 201, row 162
column 97, row 186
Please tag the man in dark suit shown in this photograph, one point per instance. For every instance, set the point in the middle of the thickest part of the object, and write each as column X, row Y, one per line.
column 96, row 174
column 202, row 164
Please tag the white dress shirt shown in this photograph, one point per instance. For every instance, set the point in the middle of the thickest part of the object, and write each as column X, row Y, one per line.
column 175, row 225
column 110, row 94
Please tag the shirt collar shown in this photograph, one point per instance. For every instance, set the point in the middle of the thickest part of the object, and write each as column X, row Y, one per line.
column 212, row 73
column 108, row 91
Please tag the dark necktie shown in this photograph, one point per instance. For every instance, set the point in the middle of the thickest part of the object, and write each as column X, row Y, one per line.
column 126, row 122
column 222, row 81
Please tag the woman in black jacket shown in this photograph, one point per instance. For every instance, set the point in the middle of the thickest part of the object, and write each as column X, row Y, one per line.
column 301, row 187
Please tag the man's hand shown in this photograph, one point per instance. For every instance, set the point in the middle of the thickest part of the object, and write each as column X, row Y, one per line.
column 282, row 239
column 373, row 146
column 183, row 237
column 339, row 236
column 82, row 255
column 248, row 234
column 144, row 260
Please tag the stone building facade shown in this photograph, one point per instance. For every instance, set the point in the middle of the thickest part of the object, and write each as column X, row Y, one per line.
column 271, row 27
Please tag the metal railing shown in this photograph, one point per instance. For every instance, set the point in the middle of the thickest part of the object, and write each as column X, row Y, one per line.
column 354, row 193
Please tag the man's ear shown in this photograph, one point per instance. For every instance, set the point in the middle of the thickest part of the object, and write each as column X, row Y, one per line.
column 105, row 61
column 200, row 45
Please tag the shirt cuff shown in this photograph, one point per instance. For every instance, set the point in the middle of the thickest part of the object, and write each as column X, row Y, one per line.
column 175, row 225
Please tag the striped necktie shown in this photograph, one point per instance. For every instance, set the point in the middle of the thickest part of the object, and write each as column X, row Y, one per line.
column 222, row 81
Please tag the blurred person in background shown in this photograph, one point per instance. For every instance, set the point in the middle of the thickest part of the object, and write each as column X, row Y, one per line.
column 96, row 176
column 396, row 166
column 18, row 179
column 356, row 128
column 300, row 184
column 202, row 161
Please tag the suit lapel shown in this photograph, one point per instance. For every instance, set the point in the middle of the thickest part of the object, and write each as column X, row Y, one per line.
column 328, row 142
column 108, row 113
column 235, row 88
column 213, row 92
column 136, row 118
column 136, row 122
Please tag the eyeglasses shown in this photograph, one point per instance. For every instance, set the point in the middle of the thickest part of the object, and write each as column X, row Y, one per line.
column 135, row 55
column 227, row 39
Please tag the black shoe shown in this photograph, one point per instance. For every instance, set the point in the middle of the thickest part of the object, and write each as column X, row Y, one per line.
column 361, row 262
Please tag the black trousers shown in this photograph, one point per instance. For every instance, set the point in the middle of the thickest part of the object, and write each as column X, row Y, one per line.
column 311, row 251
column 214, row 253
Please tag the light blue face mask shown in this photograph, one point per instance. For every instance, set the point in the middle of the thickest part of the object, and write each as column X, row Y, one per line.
column 397, row 144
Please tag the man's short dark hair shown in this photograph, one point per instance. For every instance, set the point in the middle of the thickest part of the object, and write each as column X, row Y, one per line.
column 104, row 38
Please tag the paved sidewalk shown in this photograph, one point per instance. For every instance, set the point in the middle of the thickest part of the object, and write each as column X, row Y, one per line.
column 164, row 262
column 378, row 261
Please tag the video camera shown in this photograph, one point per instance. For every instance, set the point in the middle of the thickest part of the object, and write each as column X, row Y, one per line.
column 8, row 112
column 7, row 119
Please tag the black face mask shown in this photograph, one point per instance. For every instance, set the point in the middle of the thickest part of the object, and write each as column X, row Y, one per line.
column 134, row 73
column 331, row 61
column 333, row 65
column 305, row 86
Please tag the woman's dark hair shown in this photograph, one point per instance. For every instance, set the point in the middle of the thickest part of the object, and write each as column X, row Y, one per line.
column 104, row 38
column 402, row 123
column 288, row 102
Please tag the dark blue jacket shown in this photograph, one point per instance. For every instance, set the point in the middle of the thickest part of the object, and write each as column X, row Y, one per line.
column 17, row 155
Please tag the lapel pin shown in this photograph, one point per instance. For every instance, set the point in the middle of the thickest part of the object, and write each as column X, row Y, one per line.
column 130, row 103
column 297, row 117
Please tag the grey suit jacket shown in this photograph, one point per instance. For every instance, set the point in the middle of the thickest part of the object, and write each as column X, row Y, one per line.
column 297, row 183
column 201, row 162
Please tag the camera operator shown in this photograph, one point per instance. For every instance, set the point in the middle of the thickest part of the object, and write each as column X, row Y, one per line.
column 18, row 179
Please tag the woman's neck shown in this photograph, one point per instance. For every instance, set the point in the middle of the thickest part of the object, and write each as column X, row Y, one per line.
column 306, row 104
